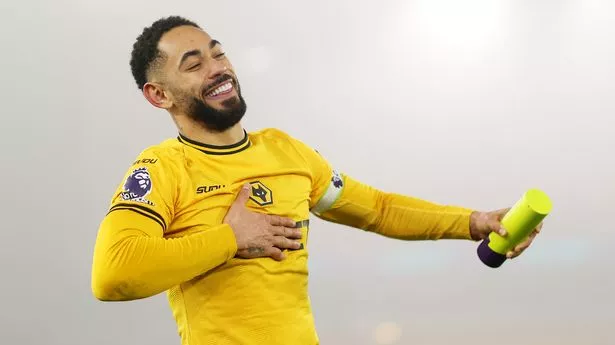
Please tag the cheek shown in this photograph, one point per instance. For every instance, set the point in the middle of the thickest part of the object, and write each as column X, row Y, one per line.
column 229, row 67
column 187, row 92
column 232, row 70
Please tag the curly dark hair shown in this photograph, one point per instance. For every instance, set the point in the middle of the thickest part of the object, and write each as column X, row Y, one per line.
column 145, row 54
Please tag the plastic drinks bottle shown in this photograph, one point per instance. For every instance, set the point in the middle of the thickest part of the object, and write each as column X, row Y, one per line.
column 519, row 222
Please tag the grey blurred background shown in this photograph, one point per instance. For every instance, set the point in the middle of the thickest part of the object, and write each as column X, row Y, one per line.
column 462, row 102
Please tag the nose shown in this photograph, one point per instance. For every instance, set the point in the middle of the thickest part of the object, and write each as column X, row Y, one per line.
column 218, row 68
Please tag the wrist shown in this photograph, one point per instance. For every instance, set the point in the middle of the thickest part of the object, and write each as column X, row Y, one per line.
column 231, row 240
column 475, row 218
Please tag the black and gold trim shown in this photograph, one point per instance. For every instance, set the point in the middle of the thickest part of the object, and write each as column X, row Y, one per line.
column 216, row 149
column 302, row 224
column 142, row 210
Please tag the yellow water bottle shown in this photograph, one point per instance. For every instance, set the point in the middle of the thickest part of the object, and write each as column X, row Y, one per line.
column 519, row 222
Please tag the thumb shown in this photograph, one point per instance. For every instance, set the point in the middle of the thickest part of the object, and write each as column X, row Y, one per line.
column 502, row 212
column 244, row 194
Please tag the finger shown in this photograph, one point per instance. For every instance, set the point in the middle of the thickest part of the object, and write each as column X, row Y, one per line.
column 275, row 253
column 281, row 221
column 520, row 248
column 285, row 243
column 497, row 227
column 292, row 233
column 515, row 252
column 518, row 251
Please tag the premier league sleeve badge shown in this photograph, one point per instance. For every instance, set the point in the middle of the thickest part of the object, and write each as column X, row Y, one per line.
column 137, row 186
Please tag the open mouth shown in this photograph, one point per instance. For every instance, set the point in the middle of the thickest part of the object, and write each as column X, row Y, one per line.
column 221, row 90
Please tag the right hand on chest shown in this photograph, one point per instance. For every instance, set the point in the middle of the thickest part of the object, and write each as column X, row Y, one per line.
column 260, row 235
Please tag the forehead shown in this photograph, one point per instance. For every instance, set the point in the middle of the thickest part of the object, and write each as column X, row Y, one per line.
column 182, row 39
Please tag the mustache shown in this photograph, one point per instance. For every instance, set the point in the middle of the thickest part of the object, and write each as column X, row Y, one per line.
column 219, row 80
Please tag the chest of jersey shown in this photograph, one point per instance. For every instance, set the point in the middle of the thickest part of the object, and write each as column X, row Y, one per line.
column 281, row 185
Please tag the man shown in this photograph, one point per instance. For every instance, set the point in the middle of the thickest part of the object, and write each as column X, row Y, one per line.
column 219, row 217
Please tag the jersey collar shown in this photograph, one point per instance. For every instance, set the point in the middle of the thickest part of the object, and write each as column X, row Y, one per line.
column 216, row 149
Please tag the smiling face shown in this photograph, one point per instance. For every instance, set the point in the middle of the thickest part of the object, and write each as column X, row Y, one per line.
column 194, row 78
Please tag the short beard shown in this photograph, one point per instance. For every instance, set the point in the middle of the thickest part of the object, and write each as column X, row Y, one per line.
column 218, row 120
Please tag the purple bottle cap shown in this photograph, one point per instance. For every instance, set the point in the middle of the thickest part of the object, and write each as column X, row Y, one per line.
column 488, row 256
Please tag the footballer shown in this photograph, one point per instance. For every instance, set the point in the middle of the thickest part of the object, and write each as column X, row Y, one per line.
column 218, row 217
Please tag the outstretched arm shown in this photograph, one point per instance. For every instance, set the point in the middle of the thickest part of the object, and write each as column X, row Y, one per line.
column 350, row 202
column 341, row 199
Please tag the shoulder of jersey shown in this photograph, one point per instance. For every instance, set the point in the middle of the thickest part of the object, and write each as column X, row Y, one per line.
column 273, row 134
column 270, row 133
column 283, row 138
column 167, row 150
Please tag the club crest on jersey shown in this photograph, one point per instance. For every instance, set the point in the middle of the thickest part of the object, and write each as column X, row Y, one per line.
column 137, row 186
column 336, row 180
column 261, row 194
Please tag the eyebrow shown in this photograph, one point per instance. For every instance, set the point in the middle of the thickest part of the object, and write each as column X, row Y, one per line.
column 196, row 52
column 213, row 43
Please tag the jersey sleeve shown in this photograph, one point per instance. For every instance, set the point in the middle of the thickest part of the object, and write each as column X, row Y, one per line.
column 148, row 188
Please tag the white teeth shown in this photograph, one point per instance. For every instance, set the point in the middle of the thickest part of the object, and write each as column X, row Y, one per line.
column 220, row 89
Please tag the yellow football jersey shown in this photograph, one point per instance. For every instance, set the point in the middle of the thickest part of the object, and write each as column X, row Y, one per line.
column 186, row 187
column 165, row 232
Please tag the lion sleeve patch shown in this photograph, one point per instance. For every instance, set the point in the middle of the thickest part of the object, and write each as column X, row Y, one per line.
column 147, row 188
column 138, row 186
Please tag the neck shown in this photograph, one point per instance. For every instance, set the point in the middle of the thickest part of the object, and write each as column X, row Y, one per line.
column 199, row 133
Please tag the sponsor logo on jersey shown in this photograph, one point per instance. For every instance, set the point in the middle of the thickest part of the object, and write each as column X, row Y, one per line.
column 137, row 186
column 261, row 194
column 207, row 189
column 145, row 161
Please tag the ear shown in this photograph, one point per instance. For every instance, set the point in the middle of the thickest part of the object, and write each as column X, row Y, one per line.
column 156, row 95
